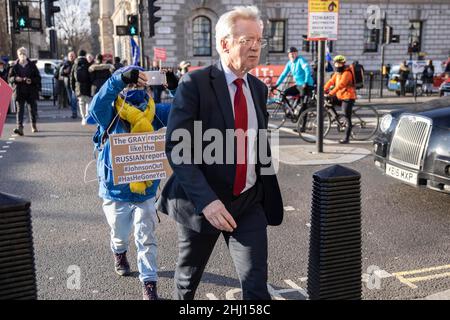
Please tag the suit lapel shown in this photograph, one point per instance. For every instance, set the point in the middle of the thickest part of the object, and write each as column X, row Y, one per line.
column 257, row 102
column 220, row 87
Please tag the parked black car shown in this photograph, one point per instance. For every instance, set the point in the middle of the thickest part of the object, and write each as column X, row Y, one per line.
column 413, row 145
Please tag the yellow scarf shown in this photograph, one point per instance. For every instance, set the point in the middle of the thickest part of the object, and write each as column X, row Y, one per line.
column 140, row 121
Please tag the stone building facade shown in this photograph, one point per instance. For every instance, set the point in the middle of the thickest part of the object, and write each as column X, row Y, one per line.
column 186, row 29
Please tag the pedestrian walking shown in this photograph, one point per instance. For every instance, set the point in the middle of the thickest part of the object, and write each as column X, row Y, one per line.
column 234, row 199
column 80, row 82
column 25, row 78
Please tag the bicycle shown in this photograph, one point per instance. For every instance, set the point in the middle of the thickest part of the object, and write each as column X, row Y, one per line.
column 365, row 120
column 280, row 109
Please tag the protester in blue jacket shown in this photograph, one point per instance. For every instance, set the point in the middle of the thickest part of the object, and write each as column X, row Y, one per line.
column 128, row 205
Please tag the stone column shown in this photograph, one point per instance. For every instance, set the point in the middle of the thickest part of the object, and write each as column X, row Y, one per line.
column 106, row 26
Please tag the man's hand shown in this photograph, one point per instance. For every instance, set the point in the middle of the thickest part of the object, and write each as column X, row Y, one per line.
column 219, row 217
column 19, row 79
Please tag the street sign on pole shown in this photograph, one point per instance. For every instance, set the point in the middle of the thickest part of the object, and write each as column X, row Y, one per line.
column 323, row 17
column 121, row 30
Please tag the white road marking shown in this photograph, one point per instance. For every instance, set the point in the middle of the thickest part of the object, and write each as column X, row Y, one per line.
column 5, row 147
column 12, row 139
column 2, row 151
column 9, row 142
column 229, row 295
column 211, row 296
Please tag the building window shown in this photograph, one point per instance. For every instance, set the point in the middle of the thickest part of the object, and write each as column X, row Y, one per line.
column 371, row 38
column 201, row 33
column 415, row 36
column 277, row 36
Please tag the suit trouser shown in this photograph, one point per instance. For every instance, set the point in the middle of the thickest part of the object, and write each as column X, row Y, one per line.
column 248, row 249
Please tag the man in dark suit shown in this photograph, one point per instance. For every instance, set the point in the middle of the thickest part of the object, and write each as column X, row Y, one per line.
column 237, row 198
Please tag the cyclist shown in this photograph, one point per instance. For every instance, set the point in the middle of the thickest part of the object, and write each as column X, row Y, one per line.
column 301, row 72
column 343, row 92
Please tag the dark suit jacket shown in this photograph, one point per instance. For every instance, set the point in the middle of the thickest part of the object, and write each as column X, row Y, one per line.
column 203, row 96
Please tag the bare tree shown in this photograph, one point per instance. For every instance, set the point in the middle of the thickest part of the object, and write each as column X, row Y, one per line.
column 73, row 24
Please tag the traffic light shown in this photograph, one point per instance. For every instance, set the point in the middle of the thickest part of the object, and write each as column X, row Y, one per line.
column 152, row 9
column 132, row 24
column 50, row 10
column 305, row 44
column 21, row 17
column 387, row 34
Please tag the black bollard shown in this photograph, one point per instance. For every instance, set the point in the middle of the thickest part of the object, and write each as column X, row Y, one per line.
column 335, row 269
column 17, row 269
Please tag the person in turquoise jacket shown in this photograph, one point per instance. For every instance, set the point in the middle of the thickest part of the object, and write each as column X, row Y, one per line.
column 126, row 205
column 302, row 74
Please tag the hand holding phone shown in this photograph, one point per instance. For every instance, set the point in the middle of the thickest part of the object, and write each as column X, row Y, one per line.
column 155, row 78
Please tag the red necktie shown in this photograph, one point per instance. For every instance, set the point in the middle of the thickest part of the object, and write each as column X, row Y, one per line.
column 240, row 122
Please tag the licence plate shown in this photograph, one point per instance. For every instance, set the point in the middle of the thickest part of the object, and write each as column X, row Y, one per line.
column 401, row 174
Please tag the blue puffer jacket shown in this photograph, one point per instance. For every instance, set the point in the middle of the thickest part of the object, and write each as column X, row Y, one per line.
column 103, row 112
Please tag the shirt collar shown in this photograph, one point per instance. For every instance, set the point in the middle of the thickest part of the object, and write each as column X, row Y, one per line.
column 230, row 76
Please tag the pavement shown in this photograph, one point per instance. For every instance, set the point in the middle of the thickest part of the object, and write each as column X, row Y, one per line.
column 395, row 100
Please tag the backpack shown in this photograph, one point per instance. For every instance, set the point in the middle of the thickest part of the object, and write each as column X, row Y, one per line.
column 357, row 71
column 82, row 73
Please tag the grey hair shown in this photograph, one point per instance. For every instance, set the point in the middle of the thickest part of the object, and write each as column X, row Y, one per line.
column 22, row 50
column 225, row 25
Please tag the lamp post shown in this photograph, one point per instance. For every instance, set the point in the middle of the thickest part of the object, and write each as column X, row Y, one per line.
column 411, row 36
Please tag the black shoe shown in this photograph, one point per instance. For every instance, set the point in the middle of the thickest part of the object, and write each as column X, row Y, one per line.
column 18, row 131
column 344, row 141
column 149, row 291
column 34, row 128
column 121, row 264
column 74, row 116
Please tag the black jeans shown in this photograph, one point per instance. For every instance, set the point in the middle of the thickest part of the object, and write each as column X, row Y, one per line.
column 20, row 103
column 347, row 108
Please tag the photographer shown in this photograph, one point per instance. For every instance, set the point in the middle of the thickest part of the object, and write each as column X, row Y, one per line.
column 124, row 104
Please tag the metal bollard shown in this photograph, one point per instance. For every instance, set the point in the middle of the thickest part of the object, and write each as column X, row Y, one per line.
column 335, row 267
column 370, row 85
column 17, row 269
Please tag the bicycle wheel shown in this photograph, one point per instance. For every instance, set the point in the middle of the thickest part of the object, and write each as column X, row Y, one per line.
column 365, row 122
column 277, row 116
column 308, row 125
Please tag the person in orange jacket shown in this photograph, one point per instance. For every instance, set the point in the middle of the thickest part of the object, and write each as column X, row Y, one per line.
column 341, row 90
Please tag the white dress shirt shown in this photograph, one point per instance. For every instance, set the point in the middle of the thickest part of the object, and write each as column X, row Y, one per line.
column 252, row 125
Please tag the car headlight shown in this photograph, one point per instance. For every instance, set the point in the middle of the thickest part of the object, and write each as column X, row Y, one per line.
column 386, row 122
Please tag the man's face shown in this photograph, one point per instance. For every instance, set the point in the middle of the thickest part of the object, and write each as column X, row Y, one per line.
column 338, row 64
column 71, row 56
column 292, row 55
column 243, row 48
column 21, row 55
